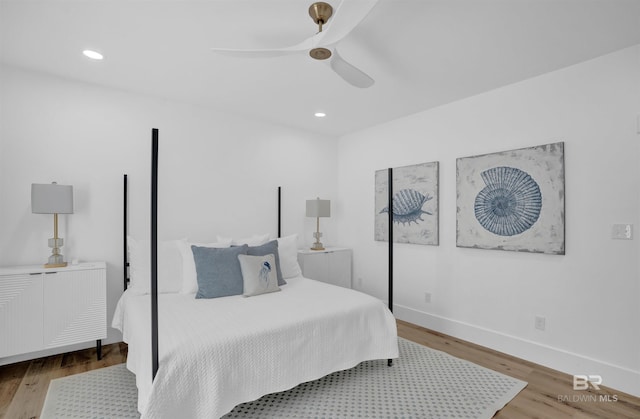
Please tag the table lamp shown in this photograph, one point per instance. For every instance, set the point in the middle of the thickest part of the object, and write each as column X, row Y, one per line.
column 53, row 199
column 318, row 208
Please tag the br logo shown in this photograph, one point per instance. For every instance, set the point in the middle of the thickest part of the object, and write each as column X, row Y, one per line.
column 582, row 382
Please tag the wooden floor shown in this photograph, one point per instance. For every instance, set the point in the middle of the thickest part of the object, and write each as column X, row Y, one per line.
column 23, row 386
column 549, row 394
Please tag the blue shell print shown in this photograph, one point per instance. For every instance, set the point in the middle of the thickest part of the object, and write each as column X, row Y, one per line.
column 510, row 203
column 407, row 206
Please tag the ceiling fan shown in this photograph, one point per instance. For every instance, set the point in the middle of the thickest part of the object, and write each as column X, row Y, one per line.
column 322, row 45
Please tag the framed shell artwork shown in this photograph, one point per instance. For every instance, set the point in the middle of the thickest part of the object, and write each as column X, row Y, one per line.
column 512, row 200
column 415, row 204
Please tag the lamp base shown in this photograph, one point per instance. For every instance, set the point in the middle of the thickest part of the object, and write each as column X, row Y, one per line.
column 55, row 265
column 317, row 246
column 56, row 260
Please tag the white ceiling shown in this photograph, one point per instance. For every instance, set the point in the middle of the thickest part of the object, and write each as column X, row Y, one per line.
column 422, row 53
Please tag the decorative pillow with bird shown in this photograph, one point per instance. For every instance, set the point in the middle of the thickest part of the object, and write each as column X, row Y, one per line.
column 258, row 274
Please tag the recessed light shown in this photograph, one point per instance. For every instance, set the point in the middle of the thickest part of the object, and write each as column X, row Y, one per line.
column 92, row 54
column 320, row 114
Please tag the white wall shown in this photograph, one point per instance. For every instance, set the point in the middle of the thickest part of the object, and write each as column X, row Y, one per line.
column 590, row 296
column 219, row 173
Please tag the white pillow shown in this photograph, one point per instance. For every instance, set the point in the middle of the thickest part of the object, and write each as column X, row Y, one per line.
column 189, row 274
column 258, row 274
column 170, row 269
column 255, row 240
column 288, row 252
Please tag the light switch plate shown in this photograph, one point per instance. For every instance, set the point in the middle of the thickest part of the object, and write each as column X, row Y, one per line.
column 622, row 232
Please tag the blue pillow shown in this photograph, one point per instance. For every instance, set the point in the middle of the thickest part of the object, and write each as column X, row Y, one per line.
column 218, row 271
column 267, row 249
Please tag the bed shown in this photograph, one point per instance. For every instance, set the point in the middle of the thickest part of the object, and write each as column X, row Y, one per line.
column 211, row 354
column 215, row 354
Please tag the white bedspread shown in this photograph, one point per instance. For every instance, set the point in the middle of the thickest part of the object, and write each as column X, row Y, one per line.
column 218, row 353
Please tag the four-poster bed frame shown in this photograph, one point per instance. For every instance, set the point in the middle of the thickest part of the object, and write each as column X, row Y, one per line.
column 154, row 246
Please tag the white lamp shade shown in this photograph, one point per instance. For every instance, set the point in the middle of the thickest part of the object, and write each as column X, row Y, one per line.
column 51, row 198
column 318, row 208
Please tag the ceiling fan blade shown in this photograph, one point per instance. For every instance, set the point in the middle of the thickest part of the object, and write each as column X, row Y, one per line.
column 303, row 46
column 350, row 73
column 346, row 17
column 252, row 53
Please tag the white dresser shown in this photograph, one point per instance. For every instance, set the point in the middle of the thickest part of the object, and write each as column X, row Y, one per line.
column 332, row 265
column 50, row 308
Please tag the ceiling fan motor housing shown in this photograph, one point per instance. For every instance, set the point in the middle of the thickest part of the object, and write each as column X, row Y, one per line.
column 320, row 12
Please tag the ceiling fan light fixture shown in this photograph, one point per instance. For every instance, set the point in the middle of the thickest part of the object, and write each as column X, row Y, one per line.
column 320, row 53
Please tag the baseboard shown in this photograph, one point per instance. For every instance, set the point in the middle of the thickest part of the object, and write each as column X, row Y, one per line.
column 613, row 376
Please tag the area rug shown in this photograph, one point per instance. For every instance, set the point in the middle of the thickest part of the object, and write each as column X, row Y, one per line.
column 104, row 393
column 422, row 383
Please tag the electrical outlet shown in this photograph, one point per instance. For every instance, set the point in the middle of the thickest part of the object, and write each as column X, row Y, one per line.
column 427, row 297
column 540, row 322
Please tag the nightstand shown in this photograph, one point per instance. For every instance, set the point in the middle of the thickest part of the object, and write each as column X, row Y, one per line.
column 50, row 308
column 332, row 265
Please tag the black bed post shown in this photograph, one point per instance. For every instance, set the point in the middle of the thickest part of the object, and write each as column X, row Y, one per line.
column 279, row 211
column 154, row 251
column 390, row 215
column 124, row 235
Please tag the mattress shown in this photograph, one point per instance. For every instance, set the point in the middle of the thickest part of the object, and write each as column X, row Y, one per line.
column 217, row 353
